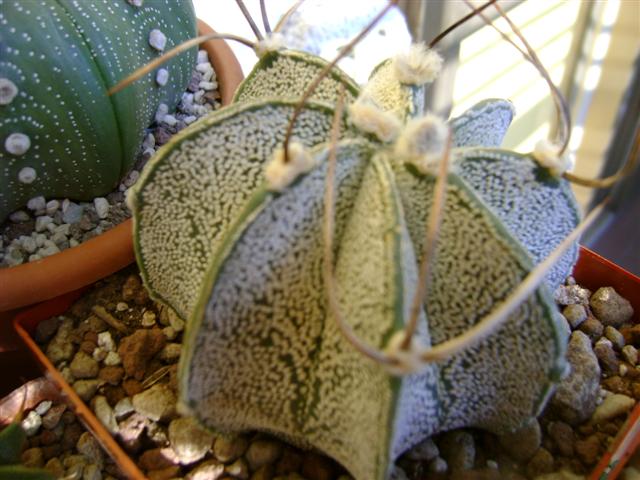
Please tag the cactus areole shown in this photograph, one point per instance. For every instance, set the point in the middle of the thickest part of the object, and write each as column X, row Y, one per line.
column 62, row 136
column 243, row 263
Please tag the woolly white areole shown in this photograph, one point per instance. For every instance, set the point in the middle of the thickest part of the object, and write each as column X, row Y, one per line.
column 272, row 42
column 418, row 66
column 367, row 117
column 423, row 142
column 546, row 153
column 279, row 174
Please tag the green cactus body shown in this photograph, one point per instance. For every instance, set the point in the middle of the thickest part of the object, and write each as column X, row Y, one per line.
column 483, row 125
column 263, row 350
column 12, row 441
column 61, row 57
column 288, row 73
column 213, row 167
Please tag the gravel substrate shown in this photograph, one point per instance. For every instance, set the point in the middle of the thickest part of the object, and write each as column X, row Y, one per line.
column 57, row 442
column 48, row 226
column 119, row 350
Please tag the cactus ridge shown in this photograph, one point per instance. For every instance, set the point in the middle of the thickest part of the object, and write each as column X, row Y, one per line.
column 288, row 73
column 512, row 183
column 63, row 56
column 211, row 168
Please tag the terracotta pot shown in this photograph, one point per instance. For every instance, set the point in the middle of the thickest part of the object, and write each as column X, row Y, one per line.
column 75, row 267
column 592, row 271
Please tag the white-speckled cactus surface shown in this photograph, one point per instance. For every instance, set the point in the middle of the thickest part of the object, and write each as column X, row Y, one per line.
column 243, row 263
column 62, row 135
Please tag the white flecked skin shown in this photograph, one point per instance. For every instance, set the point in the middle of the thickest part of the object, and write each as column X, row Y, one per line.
column 244, row 265
column 62, row 56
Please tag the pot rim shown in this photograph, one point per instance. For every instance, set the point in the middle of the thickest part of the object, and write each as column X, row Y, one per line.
column 111, row 251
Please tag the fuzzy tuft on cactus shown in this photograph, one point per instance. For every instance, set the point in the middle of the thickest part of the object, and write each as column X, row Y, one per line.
column 59, row 58
column 285, row 288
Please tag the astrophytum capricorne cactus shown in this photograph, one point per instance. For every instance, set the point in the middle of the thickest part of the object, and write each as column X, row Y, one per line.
column 61, row 134
column 243, row 261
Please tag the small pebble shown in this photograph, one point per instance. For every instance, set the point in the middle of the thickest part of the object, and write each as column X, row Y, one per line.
column 170, row 120
column 31, row 423
column 52, row 207
column 36, row 203
column 19, row 216
column 612, row 406
column 630, row 354
column 163, row 109
column 121, row 307
column 112, row 359
column 101, row 205
column 148, row 318
column 189, row 440
column 43, row 407
column 575, row 314
column 610, row 308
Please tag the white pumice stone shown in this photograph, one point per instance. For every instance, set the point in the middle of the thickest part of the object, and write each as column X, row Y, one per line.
column 204, row 67
column 28, row 244
column 132, row 178
column 19, row 216
column 207, row 85
column 37, row 203
column 163, row 109
column 170, row 120
column 101, row 205
column 8, row 91
column 105, row 341
column 27, row 175
column 203, row 57
column 17, row 144
column 52, row 207
column 42, row 222
column 135, row 3
column 73, row 242
column 121, row 307
column 189, row 119
column 149, row 141
column 162, row 77
column 157, row 39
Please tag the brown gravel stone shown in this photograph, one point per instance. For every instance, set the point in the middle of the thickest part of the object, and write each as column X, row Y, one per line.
column 47, row 437
column 33, row 457
column 158, row 458
column 607, row 356
column 631, row 334
column 210, row 470
column 290, row 461
column 91, row 336
column 111, row 375
column 51, row 419
column 588, row 450
column 616, row 384
column 541, row 463
column 132, row 387
column 164, row 473
column 227, row 448
column 52, row 451
column 113, row 393
column 266, row 472
column 610, row 307
column 563, row 437
column 592, row 328
column 71, row 435
column 132, row 290
column 635, row 391
column 138, row 349
column 317, row 467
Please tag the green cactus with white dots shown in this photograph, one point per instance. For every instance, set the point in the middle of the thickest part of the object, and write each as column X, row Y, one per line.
column 243, row 263
column 62, row 135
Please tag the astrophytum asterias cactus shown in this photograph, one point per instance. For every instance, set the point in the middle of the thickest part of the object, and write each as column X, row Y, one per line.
column 243, row 263
column 61, row 134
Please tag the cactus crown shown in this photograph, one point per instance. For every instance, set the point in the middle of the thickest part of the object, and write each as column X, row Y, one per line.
column 271, row 333
column 62, row 136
